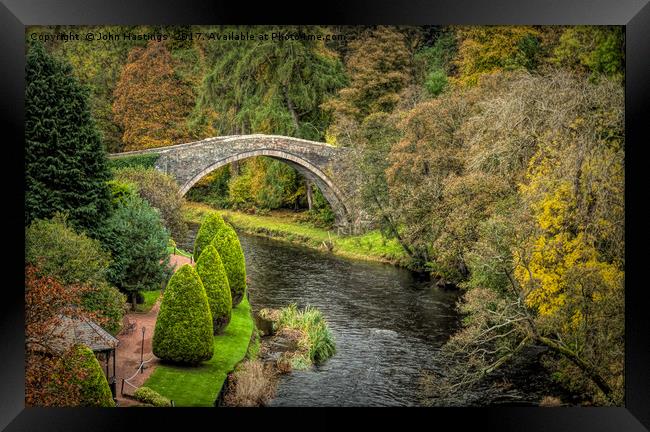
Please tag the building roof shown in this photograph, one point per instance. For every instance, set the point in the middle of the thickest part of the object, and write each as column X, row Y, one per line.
column 74, row 331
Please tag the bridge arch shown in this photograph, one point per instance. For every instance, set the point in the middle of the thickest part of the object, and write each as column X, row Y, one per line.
column 316, row 161
column 308, row 170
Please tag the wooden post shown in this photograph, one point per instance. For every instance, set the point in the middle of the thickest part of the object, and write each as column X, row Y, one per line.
column 142, row 350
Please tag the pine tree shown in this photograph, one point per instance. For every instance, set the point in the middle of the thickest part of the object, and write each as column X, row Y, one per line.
column 65, row 163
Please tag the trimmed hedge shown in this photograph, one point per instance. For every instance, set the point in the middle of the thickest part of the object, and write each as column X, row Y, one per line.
column 227, row 244
column 215, row 280
column 80, row 367
column 210, row 226
column 183, row 332
column 141, row 160
column 151, row 397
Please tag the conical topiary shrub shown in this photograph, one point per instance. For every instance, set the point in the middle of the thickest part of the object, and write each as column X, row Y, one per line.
column 211, row 224
column 85, row 383
column 215, row 281
column 227, row 244
column 183, row 332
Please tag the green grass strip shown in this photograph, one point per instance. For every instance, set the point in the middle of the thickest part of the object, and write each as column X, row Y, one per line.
column 150, row 298
column 197, row 386
column 371, row 246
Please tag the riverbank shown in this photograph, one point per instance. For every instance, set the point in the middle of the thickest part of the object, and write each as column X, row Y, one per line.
column 288, row 339
column 285, row 226
column 191, row 386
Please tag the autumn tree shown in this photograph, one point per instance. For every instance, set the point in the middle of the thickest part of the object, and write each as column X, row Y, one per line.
column 378, row 65
column 490, row 49
column 151, row 102
column 161, row 191
column 47, row 301
column 546, row 266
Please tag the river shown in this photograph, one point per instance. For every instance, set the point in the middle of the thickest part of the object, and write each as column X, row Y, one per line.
column 387, row 322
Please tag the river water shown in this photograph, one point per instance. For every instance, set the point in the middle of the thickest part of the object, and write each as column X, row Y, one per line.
column 387, row 322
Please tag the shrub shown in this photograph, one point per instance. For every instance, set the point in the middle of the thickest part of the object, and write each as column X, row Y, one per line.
column 215, row 281
column 138, row 244
column 152, row 397
column 108, row 302
column 80, row 367
column 138, row 160
column 250, row 385
column 63, row 254
column 227, row 244
column 161, row 192
column 183, row 331
column 73, row 258
column 211, row 224
column 121, row 191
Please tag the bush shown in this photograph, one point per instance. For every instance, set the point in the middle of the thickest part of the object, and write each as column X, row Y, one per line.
column 161, row 192
column 138, row 160
column 63, row 254
column 138, row 244
column 211, row 224
column 120, row 192
column 151, row 397
column 183, row 331
column 80, row 367
column 215, row 281
column 73, row 258
column 108, row 302
column 227, row 244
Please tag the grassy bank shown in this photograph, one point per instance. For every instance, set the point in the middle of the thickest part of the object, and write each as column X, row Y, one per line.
column 200, row 385
column 371, row 246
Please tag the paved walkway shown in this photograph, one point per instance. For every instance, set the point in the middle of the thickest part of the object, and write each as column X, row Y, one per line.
column 129, row 350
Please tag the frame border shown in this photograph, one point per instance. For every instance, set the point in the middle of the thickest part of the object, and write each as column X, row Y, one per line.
column 634, row 14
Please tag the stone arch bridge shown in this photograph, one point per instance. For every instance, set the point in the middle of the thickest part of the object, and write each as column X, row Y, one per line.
column 319, row 162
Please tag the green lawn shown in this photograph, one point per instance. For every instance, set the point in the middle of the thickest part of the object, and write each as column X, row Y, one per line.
column 200, row 385
column 369, row 246
column 150, row 298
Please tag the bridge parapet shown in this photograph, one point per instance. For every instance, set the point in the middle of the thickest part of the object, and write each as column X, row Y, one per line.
column 319, row 162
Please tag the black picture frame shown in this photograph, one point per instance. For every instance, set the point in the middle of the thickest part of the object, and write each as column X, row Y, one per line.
column 634, row 14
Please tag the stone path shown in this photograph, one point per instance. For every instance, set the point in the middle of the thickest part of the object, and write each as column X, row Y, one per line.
column 129, row 350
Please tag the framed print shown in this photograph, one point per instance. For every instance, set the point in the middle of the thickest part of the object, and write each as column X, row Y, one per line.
column 431, row 209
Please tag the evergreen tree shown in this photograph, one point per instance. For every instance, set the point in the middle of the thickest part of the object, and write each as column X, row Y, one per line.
column 269, row 86
column 183, row 331
column 215, row 280
column 209, row 228
column 138, row 244
column 227, row 244
column 65, row 163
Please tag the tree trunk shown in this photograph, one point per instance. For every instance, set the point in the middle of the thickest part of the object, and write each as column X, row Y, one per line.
column 291, row 108
column 234, row 169
column 586, row 368
column 309, row 197
column 134, row 299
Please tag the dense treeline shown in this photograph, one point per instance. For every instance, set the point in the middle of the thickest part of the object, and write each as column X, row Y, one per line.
column 494, row 155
